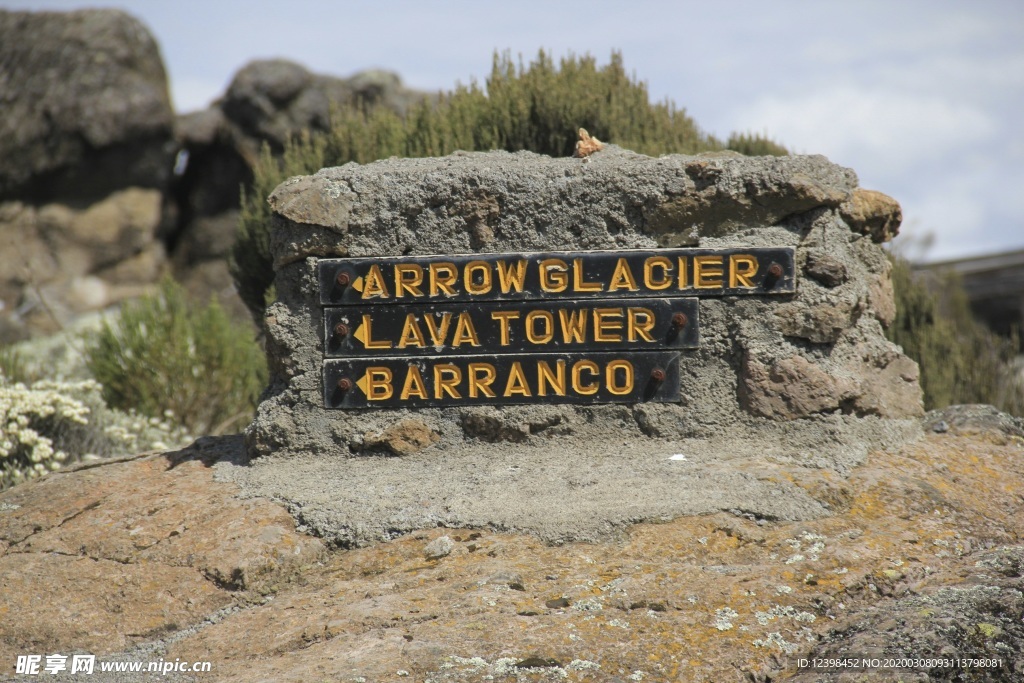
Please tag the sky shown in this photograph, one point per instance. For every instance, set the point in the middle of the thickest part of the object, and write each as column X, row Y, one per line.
column 924, row 99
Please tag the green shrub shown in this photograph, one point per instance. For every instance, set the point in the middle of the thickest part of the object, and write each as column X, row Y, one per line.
column 754, row 145
column 538, row 107
column 49, row 424
column 166, row 354
column 961, row 360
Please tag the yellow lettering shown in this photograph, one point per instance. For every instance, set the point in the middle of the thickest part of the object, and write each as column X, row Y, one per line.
column 650, row 264
column 622, row 278
column 635, row 328
column 438, row 332
column 408, row 284
column 378, row 384
column 442, row 278
column 554, row 275
column 577, row 371
column 682, row 273
column 413, row 385
column 547, row 377
column 705, row 275
column 609, row 377
column 469, row 275
column 465, row 333
column 365, row 335
column 742, row 267
column 510, row 280
column 578, row 284
column 516, row 381
column 605, row 324
column 481, row 377
column 574, row 325
column 503, row 318
column 531, row 327
column 447, row 385
column 412, row 335
column 374, row 284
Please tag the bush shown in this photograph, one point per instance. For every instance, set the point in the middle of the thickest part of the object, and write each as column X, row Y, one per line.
column 961, row 360
column 49, row 424
column 165, row 354
column 537, row 108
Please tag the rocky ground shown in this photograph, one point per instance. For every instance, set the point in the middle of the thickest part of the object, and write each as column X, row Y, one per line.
column 151, row 557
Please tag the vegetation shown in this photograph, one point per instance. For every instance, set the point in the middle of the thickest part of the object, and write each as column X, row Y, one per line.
column 165, row 354
column 48, row 424
column 961, row 360
column 537, row 107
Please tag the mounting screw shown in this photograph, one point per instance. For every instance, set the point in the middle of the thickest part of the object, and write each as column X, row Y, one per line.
column 344, row 384
column 658, row 375
column 775, row 270
column 679, row 320
column 343, row 279
column 341, row 330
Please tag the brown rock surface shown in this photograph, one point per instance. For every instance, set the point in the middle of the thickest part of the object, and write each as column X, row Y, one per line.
column 874, row 214
column 923, row 555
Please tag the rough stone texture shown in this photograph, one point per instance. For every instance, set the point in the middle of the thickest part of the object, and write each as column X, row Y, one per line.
column 829, row 333
column 85, row 104
column 874, row 214
column 58, row 262
column 920, row 554
column 268, row 101
column 105, row 556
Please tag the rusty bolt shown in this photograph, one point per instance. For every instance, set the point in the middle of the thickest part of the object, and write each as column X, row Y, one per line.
column 343, row 279
column 341, row 330
column 679, row 320
column 775, row 270
column 344, row 384
column 658, row 375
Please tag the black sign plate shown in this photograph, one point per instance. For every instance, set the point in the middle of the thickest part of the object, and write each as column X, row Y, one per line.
column 549, row 275
column 502, row 380
column 511, row 327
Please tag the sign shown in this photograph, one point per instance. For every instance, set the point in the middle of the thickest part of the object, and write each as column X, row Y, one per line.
column 511, row 327
column 491, row 380
column 497, row 329
column 556, row 275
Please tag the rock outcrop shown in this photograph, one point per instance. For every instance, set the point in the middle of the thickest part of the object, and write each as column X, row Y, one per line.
column 86, row 150
column 89, row 142
column 921, row 555
column 818, row 355
column 267, row 102
column 86, row 106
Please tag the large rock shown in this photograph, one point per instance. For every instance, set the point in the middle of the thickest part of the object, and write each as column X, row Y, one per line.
column 58, row 261
column 85, row 103
column 159, row 558
column 268, row 102
column 818, row 353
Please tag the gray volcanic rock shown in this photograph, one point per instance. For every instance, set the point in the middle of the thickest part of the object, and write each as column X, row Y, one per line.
column 807, row 380
column 267, row 102
column 85, row 105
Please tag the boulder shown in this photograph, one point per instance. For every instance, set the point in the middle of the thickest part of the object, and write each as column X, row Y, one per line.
column 820, row 352
column 58, row 261
column 267, row 102
column 86, row 106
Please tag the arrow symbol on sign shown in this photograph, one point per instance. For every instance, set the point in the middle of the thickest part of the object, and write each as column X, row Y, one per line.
column 360, row 334
column 363, row 384
column 357, row 284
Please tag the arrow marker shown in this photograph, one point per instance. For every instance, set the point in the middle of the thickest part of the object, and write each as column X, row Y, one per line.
column 358, row 284
column 360, row 334
column 362, row 383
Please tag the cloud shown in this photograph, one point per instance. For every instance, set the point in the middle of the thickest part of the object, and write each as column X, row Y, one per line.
column 868, row 126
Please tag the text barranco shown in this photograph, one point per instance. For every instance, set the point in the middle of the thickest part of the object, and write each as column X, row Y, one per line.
column 503, row 379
